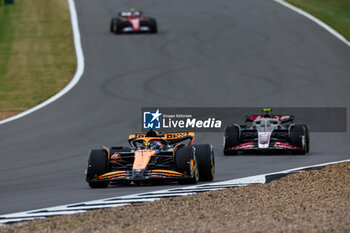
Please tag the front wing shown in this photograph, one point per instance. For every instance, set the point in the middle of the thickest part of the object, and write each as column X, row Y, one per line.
column 147, row 175
column 141, row 29
column 273, row 147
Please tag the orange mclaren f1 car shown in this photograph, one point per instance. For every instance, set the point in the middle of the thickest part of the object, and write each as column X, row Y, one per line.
column 152, row 157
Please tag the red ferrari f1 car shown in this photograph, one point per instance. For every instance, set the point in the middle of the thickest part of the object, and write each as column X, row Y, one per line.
column 267, row 133
column 133, row 21
column 152, row 157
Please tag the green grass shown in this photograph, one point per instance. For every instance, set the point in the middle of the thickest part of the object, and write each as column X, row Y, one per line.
column 37, row 57
column 6, row 38
column 335, row 13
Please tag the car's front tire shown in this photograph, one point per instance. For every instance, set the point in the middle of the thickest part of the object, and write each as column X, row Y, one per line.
column 186, row 163
column 98, row 164
column 206, row 161
column 116, row 26
column 152, row 23
column 112, row 25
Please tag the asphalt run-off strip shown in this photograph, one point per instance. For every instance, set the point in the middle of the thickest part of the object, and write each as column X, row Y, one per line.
column 151, row 196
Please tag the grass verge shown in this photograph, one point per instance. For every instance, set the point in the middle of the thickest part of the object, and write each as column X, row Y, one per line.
column 37, row 57
column 311, row 201
column 335, row 13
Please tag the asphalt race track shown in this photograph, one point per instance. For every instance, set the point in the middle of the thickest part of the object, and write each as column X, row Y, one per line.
column 242, row 53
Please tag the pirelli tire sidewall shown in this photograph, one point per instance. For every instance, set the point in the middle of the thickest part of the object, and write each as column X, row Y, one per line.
column 206, row 161
column 186, row 163
column 98, row 164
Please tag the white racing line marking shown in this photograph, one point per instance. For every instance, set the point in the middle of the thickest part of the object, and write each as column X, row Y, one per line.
column 150, row 196
column 314, row 19
column 77, row 76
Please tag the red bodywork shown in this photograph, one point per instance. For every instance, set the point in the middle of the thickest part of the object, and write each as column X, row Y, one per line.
column 134, row 20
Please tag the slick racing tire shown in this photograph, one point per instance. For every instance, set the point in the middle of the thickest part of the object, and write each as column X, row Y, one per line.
column 307, row 138
column 186, row 163
column 98, row 164
column 116, row 26
column 112, row 25
column 152, row 23
column 297, row 135
column 206, row 161
column 231, row 139
column 111, row 29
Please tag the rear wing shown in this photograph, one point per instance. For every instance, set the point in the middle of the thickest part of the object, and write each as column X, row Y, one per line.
column 172, row 138
column 128, row 13
column 166, row 136
column 282, row 118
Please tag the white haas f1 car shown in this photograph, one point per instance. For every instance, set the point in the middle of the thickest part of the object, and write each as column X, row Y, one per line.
column 267, row 133
column 133, row 21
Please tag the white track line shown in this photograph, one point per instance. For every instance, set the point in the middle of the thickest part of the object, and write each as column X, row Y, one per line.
column 79, row 72
column 319, row 22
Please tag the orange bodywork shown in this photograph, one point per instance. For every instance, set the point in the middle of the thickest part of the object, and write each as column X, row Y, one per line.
column 117, row 157
column 142, row 158
column 112, row 174
column 166, row 172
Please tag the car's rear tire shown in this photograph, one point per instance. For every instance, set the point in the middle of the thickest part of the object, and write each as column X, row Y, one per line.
column 186, row 163
column 231, row 139
column 152, row 23
column 98, row 164
column 206, row 161
column 297, row 138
